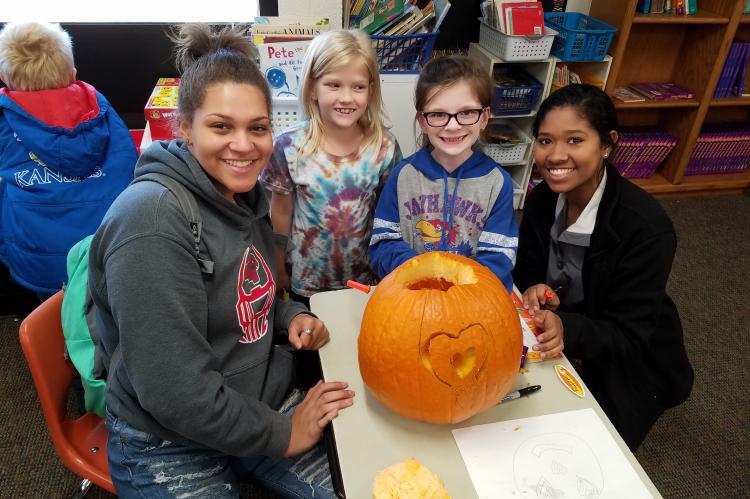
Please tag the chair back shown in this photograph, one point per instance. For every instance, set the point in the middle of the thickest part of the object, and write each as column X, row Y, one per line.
column 81, row 443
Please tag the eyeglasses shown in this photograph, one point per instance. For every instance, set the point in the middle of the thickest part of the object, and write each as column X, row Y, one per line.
column 465, row 117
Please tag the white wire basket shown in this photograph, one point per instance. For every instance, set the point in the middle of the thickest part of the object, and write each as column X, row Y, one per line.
column 509, row 154
column 512, row 48
column 285, row 114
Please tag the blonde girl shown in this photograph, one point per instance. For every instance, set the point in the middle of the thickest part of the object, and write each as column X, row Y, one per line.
column 325, row 173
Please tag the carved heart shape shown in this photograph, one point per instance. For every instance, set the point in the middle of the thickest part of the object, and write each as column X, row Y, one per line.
column 458, row 358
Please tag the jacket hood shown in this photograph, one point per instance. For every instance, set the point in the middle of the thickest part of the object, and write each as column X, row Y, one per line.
column 173, row 159
column 477, row 165
column 65, row 127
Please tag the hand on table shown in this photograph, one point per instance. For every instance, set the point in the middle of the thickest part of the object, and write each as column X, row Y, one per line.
column 551, row 337
column 538, row 297
column 307, row 332
column 321, row 404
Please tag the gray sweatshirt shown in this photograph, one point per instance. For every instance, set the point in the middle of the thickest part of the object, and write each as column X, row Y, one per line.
column 197, row 353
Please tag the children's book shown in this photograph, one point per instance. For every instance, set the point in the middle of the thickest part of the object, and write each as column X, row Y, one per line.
column 281, row 64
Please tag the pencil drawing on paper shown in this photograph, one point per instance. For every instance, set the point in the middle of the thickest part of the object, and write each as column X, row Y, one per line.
column 557, row 465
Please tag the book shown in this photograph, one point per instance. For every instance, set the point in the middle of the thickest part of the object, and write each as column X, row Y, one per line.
column 626, row 95
column 526, row 19
column 281, row 64
column 440, row 10
column 397, row 23
column 739, row 82
column 644, row 6
column 500, row 12
column 383, row 12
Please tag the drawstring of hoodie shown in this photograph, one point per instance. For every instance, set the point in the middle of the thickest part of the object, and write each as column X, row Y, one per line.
column 447, row 228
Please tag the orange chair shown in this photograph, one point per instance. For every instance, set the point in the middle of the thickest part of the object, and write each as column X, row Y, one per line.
column 81, row 443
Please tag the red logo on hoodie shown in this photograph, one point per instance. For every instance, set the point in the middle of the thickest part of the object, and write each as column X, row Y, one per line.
column 256, row 290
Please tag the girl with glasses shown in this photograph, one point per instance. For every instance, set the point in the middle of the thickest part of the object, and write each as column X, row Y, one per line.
column 449, row 196
column 325, row 172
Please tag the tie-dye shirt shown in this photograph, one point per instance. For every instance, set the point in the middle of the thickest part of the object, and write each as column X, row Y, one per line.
column 334, row 205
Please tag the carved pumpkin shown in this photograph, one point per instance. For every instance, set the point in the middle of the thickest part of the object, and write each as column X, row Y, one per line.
column 440, row 339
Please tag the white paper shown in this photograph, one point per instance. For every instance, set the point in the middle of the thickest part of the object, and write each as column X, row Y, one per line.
column 564, row 455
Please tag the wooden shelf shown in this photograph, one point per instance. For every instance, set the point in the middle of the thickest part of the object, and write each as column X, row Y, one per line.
column 730, row 101
column 695, row 184
column 745, row 19
column 657, row 104
column 701, row 17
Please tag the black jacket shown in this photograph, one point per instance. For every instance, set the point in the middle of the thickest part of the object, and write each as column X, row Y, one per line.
column 627, row 334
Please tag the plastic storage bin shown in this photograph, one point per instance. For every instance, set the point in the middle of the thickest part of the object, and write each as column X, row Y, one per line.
column 515, row 99
column 403, row 53
column 580, row 37
column 510, row 153
column 516, row 48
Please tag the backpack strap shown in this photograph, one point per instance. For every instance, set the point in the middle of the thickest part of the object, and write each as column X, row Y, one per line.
column 189, row 208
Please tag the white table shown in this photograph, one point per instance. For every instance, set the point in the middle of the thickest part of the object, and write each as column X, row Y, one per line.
column 370, row 437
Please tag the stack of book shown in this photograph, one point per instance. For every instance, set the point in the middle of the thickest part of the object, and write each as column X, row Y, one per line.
column 641, row 150
column 515, row 17
column 282, row 43
column 721, row 148
column 676, row 7
column 396, row 17
column 639, row 92
column 732, row 79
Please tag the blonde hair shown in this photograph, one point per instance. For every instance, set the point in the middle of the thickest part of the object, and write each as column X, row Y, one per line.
column 332, row 51
column 35, row 56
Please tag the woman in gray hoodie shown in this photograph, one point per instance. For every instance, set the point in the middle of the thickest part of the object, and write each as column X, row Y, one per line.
column 199, row 389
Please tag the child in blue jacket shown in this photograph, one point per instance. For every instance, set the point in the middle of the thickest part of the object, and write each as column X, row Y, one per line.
column 448, row 196
column 65, row 155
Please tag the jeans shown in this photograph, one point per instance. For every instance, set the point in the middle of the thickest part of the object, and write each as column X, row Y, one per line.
column 143, row 465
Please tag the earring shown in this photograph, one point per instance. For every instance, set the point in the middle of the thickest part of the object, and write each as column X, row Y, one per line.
column 606, row 155
column 189, row 143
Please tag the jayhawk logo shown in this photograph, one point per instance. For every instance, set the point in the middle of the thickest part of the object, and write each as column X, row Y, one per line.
column 255, row 294
column 432, row 231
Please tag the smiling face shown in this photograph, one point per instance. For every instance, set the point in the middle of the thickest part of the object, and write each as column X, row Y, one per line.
column 569, row 153
column 343, row 96
column 230, row 136
column 452, row 142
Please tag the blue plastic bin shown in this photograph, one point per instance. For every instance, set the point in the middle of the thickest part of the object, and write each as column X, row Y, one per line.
column 403, row 53
column 580, row 37
column 515, row 99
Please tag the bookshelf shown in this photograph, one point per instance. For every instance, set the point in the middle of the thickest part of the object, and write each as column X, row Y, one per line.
column 543, row 71
column 689, row 51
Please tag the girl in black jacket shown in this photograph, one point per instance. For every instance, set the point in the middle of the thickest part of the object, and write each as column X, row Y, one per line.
column 594, row 256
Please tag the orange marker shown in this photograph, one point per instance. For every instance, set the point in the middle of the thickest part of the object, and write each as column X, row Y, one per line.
column 359, row 286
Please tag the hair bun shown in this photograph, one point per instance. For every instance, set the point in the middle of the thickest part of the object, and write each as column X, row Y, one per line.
column 194, row 40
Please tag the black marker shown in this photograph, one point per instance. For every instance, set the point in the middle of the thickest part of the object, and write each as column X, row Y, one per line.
column 521, row 393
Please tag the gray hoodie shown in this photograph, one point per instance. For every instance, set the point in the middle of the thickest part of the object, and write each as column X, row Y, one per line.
column 197, row 353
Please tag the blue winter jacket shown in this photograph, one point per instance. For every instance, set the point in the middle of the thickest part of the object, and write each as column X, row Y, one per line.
column 65, row 155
